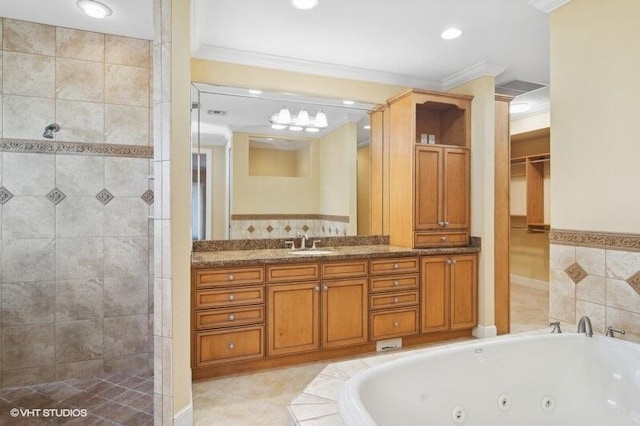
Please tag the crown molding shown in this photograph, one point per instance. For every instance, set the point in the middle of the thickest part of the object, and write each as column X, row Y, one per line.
column 244, row 57
column 547, row 6
column 535, row 110
column 478, row 70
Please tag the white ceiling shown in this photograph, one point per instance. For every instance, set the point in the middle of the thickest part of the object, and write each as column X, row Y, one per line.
column 378, row 40
column 131, row 18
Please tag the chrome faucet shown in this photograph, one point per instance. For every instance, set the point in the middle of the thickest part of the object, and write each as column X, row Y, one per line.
column 611, row 331
column 303, row 240
column 584, row 326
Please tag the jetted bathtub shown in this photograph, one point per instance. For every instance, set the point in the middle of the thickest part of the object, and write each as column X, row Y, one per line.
column 542, row 380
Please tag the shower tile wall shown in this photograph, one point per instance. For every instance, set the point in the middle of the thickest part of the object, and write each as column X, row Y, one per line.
column 597, row 275
column 76, row 286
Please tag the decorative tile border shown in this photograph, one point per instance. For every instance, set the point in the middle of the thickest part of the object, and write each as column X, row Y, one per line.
column 79, row 148
column 282, row 216
column 606, row 240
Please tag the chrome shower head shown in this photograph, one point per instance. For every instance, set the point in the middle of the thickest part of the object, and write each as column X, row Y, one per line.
column 50, row 129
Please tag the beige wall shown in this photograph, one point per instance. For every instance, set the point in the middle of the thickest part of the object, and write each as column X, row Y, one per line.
column 482, row 187
column 272, row 194
column 595, row 63
column 364, row 190
column 177, row 365
column 273, row 162
column 337, row 171
column 533, row 122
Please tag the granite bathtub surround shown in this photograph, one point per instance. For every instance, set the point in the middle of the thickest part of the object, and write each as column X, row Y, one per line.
column 75, row 240
column 596, row 274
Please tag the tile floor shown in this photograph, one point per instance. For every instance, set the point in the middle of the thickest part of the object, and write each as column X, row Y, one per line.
column 110, row 399
column 529, row 308
column 262, row 398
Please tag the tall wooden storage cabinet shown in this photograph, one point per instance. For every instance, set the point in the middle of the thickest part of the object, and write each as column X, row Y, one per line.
column 429, row 169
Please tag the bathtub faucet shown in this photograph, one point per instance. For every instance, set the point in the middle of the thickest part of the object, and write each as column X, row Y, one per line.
column 584, row 326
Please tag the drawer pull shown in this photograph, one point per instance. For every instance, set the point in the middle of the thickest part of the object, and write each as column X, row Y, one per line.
column 395, row 266
column 317, row 288
column 395, row 300
column 396, row 324
column 231, row 346
column 325, row 287
column 441, row 224
column 396, row 283
column 443, row 238
column 232, row 317
column 231, row 298
column 449, row 261
column 231, row 277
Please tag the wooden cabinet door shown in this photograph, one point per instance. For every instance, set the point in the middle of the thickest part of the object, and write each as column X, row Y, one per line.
column 435, row 293
column 464, row 292
column 344, row 312
column 428, row 188
column 293, row 318
column 456, row 193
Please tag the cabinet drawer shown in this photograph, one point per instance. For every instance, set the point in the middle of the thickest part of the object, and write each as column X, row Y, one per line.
column 400, row 265
column 393, row 323
column 293, row 272
column 229, row 297
column 441, row 239
column 393, row 300
column 237, row 344
column 344, row 269
column 404, row 282
column 228, row 277
column 216, row 318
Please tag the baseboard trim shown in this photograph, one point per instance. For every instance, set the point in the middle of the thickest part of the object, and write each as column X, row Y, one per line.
column 184, row 417
column 483, row 332
column 530, row 282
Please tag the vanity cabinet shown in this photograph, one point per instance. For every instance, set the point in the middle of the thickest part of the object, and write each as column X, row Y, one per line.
column 275, row 314
column 449, row 292
column 442, row 186
column 429, row 169
column 327, row 313
column 394, row 297
column 228, row 315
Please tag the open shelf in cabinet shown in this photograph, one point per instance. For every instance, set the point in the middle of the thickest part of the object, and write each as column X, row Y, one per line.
column 445, row 122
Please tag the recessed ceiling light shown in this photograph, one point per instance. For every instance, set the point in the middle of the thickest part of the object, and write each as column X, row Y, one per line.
column 94, row 9
column 451, row 33
column 304, row 4
column 519, row 107
column 367, row 127
column 269, row 139
column 255, row 91
column 348, row 102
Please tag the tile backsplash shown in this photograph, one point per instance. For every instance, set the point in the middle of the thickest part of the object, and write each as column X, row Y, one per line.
column 76, row 278
column 594, row 274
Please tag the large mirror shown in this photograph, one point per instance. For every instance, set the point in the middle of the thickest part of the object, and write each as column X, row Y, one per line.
column 270, row 165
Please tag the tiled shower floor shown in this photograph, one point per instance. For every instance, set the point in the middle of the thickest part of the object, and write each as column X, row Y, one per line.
column 110, row 399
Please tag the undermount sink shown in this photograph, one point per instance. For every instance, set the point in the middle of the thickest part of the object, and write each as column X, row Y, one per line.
column 310, row 252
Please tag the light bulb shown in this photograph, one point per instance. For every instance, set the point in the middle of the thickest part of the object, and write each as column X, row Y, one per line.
column 295, row 128
column 312, row 129
column 94, row 8
column 321, row 120
column 304, row 4
column 278, row 126
column 303, row 118
column 451, row 33
column 284, row 116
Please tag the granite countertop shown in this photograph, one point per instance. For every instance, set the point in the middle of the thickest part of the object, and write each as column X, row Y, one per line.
column 208, row 259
